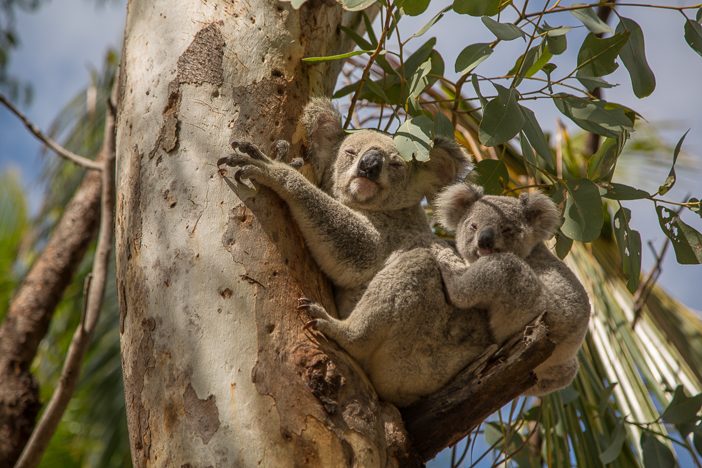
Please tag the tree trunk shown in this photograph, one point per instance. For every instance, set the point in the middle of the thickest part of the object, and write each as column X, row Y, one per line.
column 218, row 369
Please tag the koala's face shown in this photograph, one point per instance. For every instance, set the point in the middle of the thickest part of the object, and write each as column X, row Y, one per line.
column 370, row 173
column 492, row 224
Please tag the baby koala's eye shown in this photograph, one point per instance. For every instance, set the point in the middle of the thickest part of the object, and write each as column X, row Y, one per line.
column 350, row 152
column 473, row 227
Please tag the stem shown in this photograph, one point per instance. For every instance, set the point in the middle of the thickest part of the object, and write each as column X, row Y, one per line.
column 611, row 4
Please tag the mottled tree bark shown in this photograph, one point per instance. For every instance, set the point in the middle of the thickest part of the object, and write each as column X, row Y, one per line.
column 218, row 368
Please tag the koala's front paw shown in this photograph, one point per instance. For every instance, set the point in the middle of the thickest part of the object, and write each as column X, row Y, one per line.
column 319, row 315
column 250, row 163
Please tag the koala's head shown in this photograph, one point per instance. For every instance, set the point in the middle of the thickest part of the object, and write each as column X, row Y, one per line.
column 364, row 170
column 487, row 224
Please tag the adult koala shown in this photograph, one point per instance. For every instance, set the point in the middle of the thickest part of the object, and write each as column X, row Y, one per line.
column 371, row 237
column 370, row 205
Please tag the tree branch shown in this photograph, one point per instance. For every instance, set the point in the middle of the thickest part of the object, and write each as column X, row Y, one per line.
column 444, row 418
column 31, row 455
column 58, row 149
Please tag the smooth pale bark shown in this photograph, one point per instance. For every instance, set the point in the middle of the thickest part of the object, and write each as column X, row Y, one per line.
column 218, row 368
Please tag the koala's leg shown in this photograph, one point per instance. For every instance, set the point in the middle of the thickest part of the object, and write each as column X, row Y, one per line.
column 553, row 377
column 343, row 242
column 356, row 334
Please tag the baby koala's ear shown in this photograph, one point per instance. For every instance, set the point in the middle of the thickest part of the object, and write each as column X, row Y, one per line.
column 452, row 203
column 541, row 213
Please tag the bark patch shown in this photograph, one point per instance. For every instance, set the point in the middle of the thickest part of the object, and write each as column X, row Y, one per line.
column 200, row 63
column 203, row 413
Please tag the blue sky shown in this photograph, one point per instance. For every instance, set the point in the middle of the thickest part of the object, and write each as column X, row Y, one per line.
column 63, row 40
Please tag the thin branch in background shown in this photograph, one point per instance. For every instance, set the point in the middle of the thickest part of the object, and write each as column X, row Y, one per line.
column 646, row 286
column 58, row 149
column 33, row 451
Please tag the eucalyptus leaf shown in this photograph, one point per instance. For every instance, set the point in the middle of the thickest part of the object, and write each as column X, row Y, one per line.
column 695, row 206
column 329, row 58
column 596, row 56
column 296, row 4
column 624, row 192
column 655, row 453
column 693, row 35
column 670, row 180
column 502, row 31
column 435, row 19
column 557, row 44
column 502, row 118
column 414, row 138
column 687, row 242
column 697, row 437
column 589, row 18
column 536, row 137
column 563, row 245
column 419, row 80
column 583, row 211
column 615, row 445
column 471, row 56
column 601, row 164
column 358, row 39
column 477, row 7
column 414, row 7
column 491, row 174
column 682, row 409
column 629, row 243
column 356, row 5
column 599, row 117
column 592, row 82
column 443, row 126
column 633, row 55
column 476, row 87
column 531, row 62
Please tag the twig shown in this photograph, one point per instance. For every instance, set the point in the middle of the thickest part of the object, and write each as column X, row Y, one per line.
column 610, row 4
column 33, row 451
column 644, row 290
column 58, row 149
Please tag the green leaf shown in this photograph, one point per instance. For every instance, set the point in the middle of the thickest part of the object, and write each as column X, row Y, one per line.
column 329, row 58
column 443, row 126
column 536, row 137
column 502, row 118
column 414, row 138
column 682, row 408
column 528, row 154
column 476, row 87
column 491, row 174
column 624, row 192
column 531, row 62
column 419, row 80
column 430, row 23
column 556, row 44
column 358, row 39
column 615, row 445
column 629, row 243
column 589, row 18
column 687, row 242
column 600, row 117
column 356, row 5
column 592, row 82
column 633, row 55
column 693, row 35
column 695, row 206
column 601, row 164
column 698, row 16
column 597, row 55
column 472, row 56
column 414, row 7
column 296, row 4
column 503, row 31
column 670, row 180
column 655, row 453
column 583, row 211
column 477, row 7
column 563, row 245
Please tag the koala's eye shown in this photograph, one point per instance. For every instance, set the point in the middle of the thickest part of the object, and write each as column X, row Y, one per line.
column 395, row 163
column 350, row 152
column 473, row 227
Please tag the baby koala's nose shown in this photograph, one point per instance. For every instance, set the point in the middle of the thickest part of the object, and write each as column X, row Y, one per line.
column 370, row 164
column 486, row 238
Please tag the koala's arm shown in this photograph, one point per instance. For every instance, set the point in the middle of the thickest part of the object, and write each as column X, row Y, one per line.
column 344, row 243
column 500, row 277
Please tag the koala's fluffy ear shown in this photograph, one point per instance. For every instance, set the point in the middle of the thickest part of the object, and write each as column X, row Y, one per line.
column 541, row 213
column 323, row 134
column 447, row 164
column 452, row 203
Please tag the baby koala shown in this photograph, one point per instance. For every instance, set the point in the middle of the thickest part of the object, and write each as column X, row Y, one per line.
column 510, row 272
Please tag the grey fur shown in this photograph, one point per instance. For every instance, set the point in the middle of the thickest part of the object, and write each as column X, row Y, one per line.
column 516, row 276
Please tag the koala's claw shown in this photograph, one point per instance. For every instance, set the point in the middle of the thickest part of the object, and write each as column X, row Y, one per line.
column 248, row 149
column 310, row 325
column 303, row 303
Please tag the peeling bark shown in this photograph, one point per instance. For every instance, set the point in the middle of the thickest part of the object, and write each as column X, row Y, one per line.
column 218, row 369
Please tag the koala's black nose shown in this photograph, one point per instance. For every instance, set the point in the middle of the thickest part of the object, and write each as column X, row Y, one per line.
column 370, row 164
column 486, row 238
